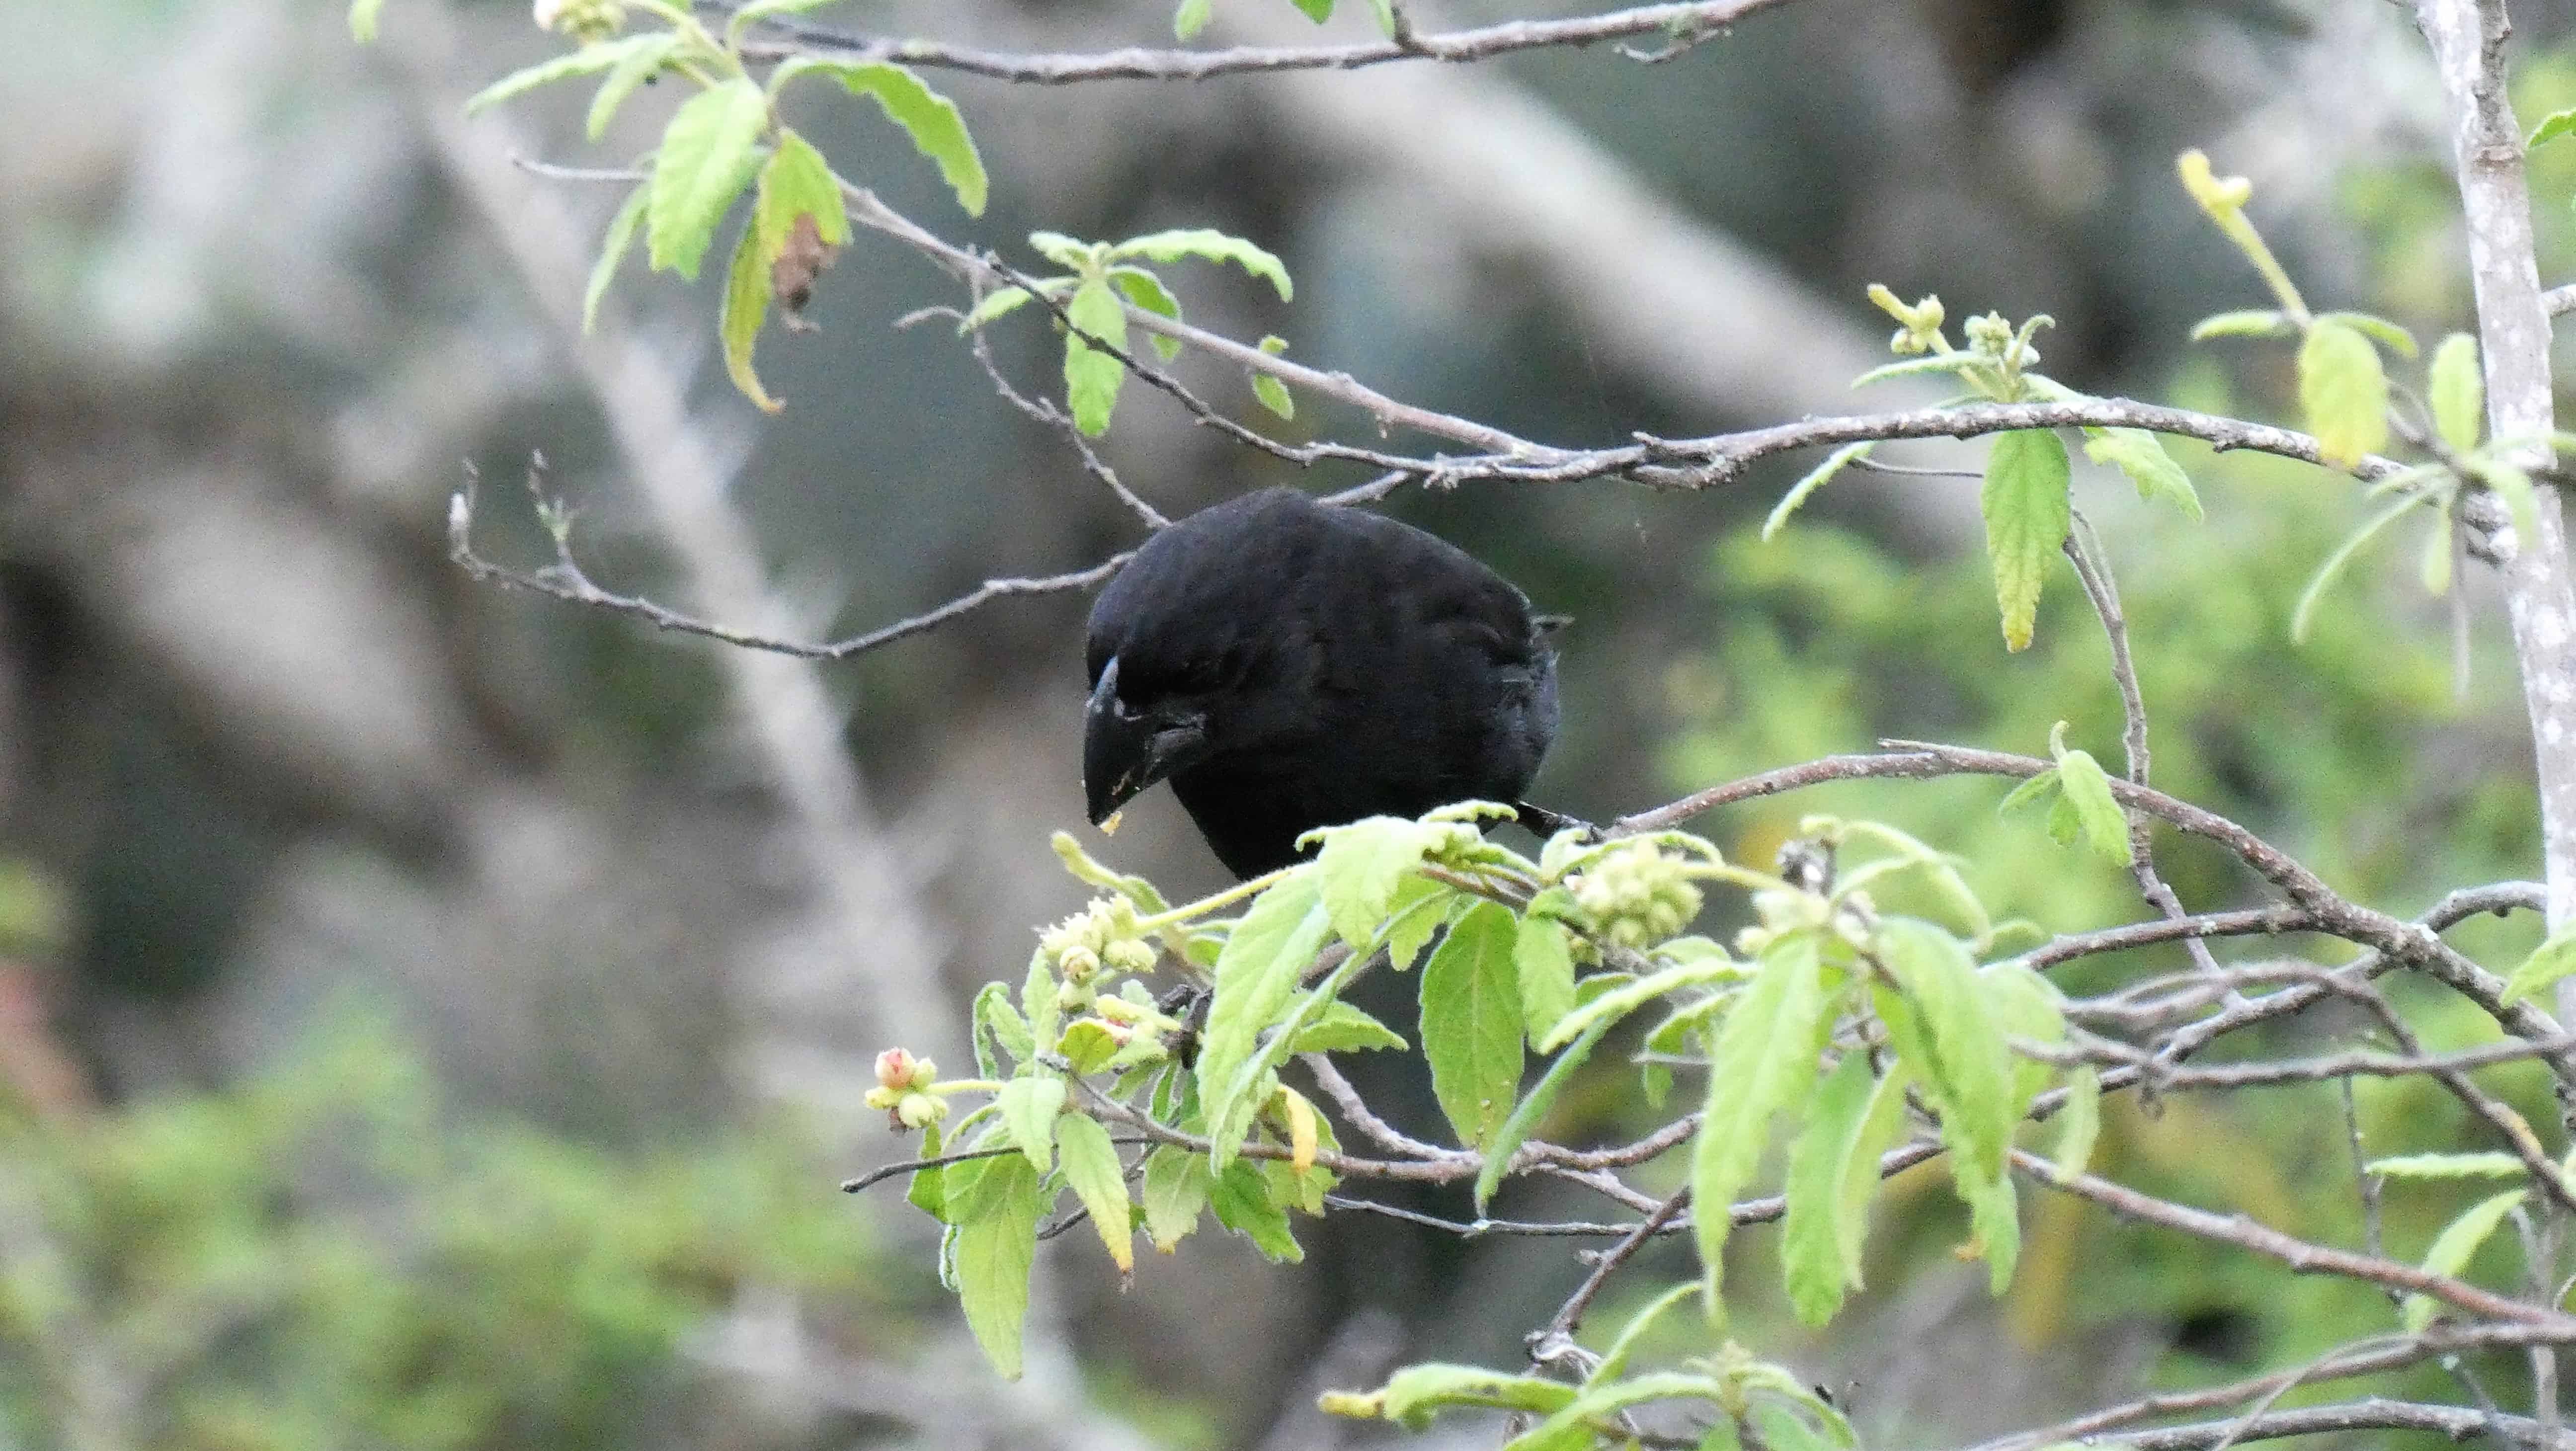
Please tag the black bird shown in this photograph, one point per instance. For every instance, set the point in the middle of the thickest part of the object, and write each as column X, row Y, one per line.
column 1289, row 665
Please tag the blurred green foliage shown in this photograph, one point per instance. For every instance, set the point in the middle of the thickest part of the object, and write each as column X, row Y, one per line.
column 322, row 1258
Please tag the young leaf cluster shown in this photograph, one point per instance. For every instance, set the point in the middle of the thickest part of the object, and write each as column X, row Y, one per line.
column 1099, row 280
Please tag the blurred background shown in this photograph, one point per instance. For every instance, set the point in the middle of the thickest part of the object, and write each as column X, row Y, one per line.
column 436, row 1017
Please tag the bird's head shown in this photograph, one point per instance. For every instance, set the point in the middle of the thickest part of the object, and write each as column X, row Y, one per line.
column 1129, row 745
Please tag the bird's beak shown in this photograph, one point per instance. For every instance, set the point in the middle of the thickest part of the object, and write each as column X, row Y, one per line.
column 1124, row 753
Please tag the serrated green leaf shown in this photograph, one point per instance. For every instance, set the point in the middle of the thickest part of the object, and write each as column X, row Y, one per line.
column 1815, row 478
column 1069, row 253
column 2141, row 455
column 1092, row 378
column 1954, row 363
column 1029, row 1107
column 746, row 303
column 999, row 1029
column 1531, row 1111
column 927, row 1190
column 938, row 132
column 1994, row 1215
column 1038, row 1000
column 1092, row 1171
column 1086, row 1046
column 363, row 15
column 995, row 1242
column 2452, row 1249
column 2079, row 1123
column 1190, row 19
column 2335, row 562
column 1619, row 1002
column 1614, row 1361
column 2388, row 334
column 1146, row 290
column 1812, row 1265
column 1942, row 1029
column 999, row 302
column 587, row 61
column 1545, row 960
column 2550, row 961
column 1471, row 1022
column 1267, row 390
column 2088, row 788
column 1256, row 978
column 1882, row 1125
column 2552, row 126
column 2252, row 322
column 612, row 251
column 1341, row 1028
column 798, row 182
column 2449, row 1166
column 632, row 70
column 1317, row 11
column 1763, row 1060
column 2459, row 392
column 2029, row 793
column 1570, row 1428
column 1415, row 1394
column 1210, row 245
column 2027, row 510
column 709, row 152
column 1176, row 1189
column 2344, row 392
column 1242, row 1201
column 1362, row 865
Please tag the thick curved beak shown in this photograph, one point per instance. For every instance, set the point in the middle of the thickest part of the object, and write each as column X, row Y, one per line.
column 1124, row 753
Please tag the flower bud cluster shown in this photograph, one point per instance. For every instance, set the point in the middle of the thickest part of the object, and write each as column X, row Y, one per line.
column 1102, row 935
column 903, row 1084
column 587, row 21
column 1919, row 324
column 1635, row 895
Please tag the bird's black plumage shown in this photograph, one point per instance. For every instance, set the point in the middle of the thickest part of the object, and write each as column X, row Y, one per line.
column 1289, row 665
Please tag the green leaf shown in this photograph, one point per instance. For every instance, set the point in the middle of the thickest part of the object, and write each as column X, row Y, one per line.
column 1570, row 1427
column 1086, row 1046
column 1241, row 1198
column 1213, row 246
column 2396, row 339
column 2335, row 562
column 2079, row 1123
column 1994, row 1213
column 1361, row 867
column 1092, row 378
column 1146, row 290
column 612, row 251
column 1256, row 978
column 2452, row 1249
column 763, row 9
column 2029, row 793
column 1951, row 363
column 1941, row 1029
column 999, row 1029
column 1416, row 1393
column 1267, row 390
column 1881, row 1126
column 1341, row 1028
column 1190, row 19
column 2344, row 393
column 996, row 1241
column 2088, row 787
column 1317, row 11
column 1029, row 1107
column 746, row 303
column 927, row 1190
column 1816, row 478
column 633, row 69
column 2459, row 392
column 1545, row 960
column 2141, row 455
column 1038, row 999
column 1068, row 253
column 1764, row 1058
column 1811, row 1238
column 2027, row 515
column 1531, row 1111
column 2449, row 1166
column 1092, row 1171
column 709, row 152
column 1619, row 1002
column 363, row 15
column 1614, row 1361
column 1471, row 1022
column 2548, row 962
column 929, row 118
column 1384, row 12
column 1177, row 1183
column 2551, row 127
column 798, row 182
column 997, row 303
column 2254, row 322
column 1134, row 888
column 589, row 60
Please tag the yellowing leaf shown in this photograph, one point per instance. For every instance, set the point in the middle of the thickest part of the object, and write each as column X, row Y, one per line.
column 746, row 303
